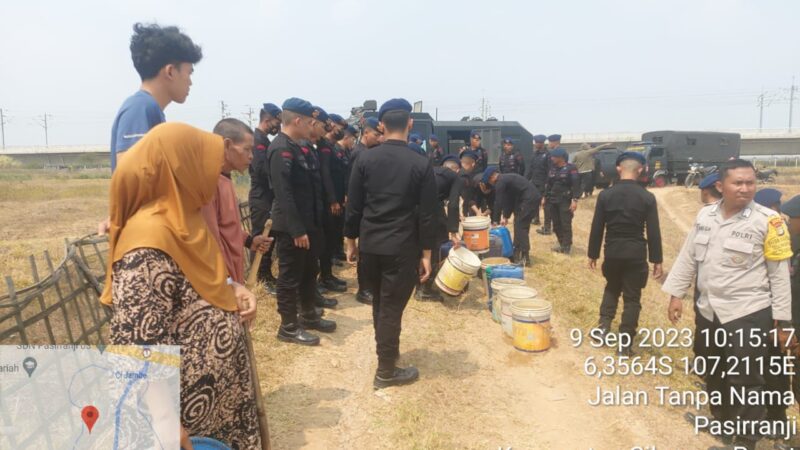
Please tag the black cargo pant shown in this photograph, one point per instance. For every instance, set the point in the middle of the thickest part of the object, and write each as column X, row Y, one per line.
column 259, row 213
column 297, row 276
column 333, row 227
column 587, row 182
column 562, row 220
column 523, row 215
column 627, row 277
column 441, row 237
column 547, row 219
column 391, row 278
column 751, row 380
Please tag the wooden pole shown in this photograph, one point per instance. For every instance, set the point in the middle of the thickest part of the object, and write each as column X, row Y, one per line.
column 261, row 409
column 252, row 276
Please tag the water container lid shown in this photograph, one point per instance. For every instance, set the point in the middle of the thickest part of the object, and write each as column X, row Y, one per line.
column 476, row 222
column 503, row 282
column 495, row 261
column 519, row 292
column 532, row 306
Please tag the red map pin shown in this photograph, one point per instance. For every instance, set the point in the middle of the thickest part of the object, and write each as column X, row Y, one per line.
column 89, row 415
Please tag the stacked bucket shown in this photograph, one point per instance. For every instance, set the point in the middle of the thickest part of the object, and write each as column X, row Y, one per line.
column 524, row 317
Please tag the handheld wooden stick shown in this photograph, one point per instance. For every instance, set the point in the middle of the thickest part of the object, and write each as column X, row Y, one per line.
column 261, row 410
column 252, row 276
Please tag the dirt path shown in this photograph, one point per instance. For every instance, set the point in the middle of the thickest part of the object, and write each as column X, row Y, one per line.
column 676, row 206
column 475, row 390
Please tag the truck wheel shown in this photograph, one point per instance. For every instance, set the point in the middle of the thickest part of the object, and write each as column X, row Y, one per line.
column 660, row 181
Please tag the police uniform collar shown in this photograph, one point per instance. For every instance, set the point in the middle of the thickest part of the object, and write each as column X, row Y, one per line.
column 397, row 142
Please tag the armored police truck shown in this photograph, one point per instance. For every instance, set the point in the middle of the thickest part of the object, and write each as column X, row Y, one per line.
column 453, row 135
column 670, row 153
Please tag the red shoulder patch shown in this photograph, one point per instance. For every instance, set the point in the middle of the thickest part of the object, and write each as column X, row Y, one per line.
column 287, row 155
column 305, row 150
column 261, row 147
column 325, row 150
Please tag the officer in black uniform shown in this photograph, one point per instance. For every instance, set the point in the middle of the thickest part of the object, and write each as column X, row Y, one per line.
column 511, row 160
column 481, row 157
column 448, row 195
column 370, row 137
column 297, row 223
column 435, row 152
column 513, row 193
column 390, row 209
column 339, row 165
column 536, row 171
column 327, row 132
column 468, row 160
column 624, row 212
column 561, row 197
column 261, row 195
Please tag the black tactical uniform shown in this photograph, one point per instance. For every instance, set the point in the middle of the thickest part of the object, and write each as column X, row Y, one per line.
column 448, row 194
column 297, row 211
column 537, row 172
column 260, row 199
column 623, row 212
column 512, row 162
column 436, row 155
column 391, row 207
column 513, row 193
column 327, row 247
column 563, row 186
column 363, row 295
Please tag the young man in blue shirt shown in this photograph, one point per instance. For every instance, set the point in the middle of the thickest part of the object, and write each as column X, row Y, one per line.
column 165, row 59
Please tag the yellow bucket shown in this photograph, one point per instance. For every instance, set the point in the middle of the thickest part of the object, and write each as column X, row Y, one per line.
column 531, row 325
column 460, row 265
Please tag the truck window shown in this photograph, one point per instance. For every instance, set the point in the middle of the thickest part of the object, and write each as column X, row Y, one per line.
column 658, row 139
column 691, row 141
column 656, row 152
column 724, row 141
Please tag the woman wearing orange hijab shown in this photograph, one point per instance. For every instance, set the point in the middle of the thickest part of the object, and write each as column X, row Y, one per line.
column 168, row 282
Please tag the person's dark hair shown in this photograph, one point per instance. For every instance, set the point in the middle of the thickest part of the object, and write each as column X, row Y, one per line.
column 394, row 121
column 732, row 165
column 153, row 47
column 263, row 115
column 714, row 192
column 233, row 129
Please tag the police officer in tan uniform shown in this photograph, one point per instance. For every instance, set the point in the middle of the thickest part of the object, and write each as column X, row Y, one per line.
column 738, row 251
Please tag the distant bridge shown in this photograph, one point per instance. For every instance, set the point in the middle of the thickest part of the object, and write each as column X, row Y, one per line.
column 755, row 143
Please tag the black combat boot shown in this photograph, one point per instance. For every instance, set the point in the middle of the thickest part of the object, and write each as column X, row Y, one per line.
column 295, row 334
column 314, row 322
column 364, row 296
column 524, row 259
column 544, row 231
column 391, row 375
column 427, row 292
column 325, row 302
column 329, row 283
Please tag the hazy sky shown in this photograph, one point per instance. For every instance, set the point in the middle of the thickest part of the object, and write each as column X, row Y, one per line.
column 554, row 66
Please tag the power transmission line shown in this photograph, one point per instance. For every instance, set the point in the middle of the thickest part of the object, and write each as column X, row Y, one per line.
column 3, row 127
column 791, row 103
column 224, row 109
column 249, row 116
column 43, row 123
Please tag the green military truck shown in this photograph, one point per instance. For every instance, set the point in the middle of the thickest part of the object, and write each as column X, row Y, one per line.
column 669, row 154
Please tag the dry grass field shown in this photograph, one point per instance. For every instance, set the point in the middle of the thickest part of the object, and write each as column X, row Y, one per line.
column 475, row 390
